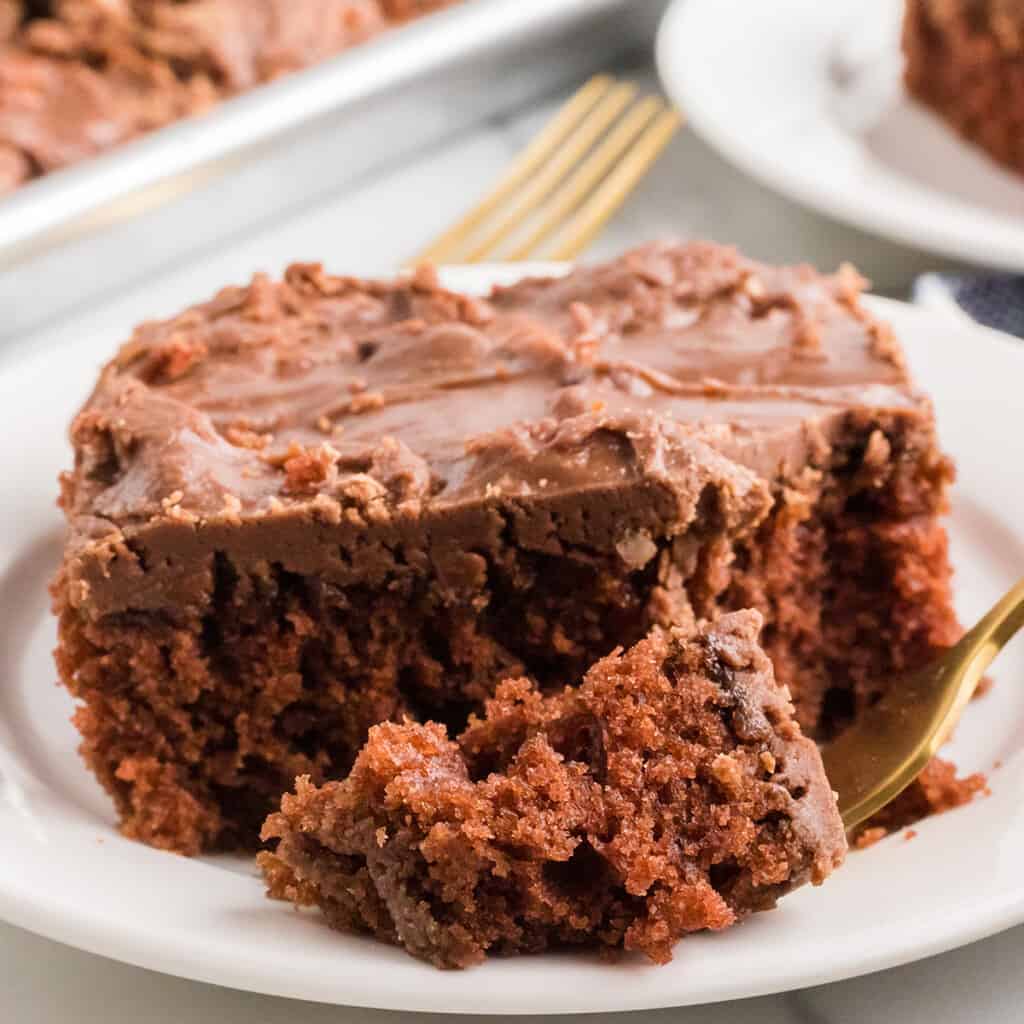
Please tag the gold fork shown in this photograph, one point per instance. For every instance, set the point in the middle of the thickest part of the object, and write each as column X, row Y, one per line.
column 568, row 181
column 885, row 749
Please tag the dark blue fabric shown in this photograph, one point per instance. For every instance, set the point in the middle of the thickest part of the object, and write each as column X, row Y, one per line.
column 995, row 300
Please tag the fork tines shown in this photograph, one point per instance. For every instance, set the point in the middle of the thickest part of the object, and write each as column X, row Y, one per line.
column 567, row 182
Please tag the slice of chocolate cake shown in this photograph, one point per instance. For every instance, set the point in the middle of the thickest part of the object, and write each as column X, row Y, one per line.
column 671, row 792
column 965, row 60
column 309, row 506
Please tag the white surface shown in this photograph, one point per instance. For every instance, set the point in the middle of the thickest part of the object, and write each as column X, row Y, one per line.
column 68, row 874
column 806, row 97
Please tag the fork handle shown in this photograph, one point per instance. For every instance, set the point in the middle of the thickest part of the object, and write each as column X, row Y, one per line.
column 971, row 656
column 996, row 629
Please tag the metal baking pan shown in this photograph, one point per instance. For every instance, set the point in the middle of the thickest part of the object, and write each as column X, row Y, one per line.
column 80, row 233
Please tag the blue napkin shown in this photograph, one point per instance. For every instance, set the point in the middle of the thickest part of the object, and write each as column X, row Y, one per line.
column 989, row 298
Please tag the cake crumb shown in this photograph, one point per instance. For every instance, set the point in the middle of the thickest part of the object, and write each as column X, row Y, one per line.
column 936, row 790
column 636, row 548
column 869, row 836
column 306, row 469
column 367, row 401
column 232, row 508
column 242, row 437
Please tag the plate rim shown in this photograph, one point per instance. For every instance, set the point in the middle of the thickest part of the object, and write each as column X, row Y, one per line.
column 681, row 28
column 84, row 928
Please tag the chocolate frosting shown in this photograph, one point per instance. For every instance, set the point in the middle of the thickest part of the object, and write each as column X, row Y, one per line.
column 318, row 394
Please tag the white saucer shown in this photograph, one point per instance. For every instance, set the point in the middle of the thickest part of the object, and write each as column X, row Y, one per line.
column 67, row 874
column 806, row 96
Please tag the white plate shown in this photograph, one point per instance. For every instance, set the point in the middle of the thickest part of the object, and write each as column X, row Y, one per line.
column 805, row 95
column 67, row 874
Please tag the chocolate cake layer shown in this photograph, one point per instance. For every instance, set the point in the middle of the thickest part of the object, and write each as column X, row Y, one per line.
column 668, row 793
column 311, row 505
